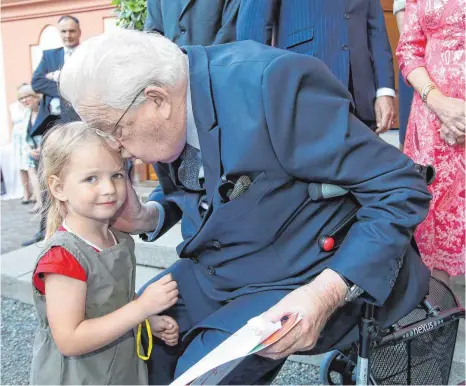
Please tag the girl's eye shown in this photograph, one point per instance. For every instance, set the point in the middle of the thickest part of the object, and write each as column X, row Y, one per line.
column 91, row 179
column 118, row 175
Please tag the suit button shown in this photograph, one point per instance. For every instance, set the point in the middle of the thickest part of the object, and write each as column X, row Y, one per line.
column 211, row 270
column 195, row 260
column 344, row 47
column 392, row 283
column 216, row 244
column 183, row 31
column 346, row 16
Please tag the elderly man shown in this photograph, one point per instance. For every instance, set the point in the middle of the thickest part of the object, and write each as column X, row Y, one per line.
column 236, row 134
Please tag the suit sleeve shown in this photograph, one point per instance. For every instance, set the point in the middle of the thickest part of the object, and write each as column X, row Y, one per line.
column 256, row 20
column 169, row 212
column 315, row 138
column 379, row 46
column 40, row 83
column 154, row 21
column 227, row 31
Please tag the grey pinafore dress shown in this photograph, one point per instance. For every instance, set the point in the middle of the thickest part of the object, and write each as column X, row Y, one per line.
column 110, row 285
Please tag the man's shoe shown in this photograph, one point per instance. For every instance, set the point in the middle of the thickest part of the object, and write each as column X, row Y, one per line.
column 39, row 236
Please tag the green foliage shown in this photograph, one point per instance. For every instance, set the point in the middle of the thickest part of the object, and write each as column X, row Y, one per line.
column 131, row 13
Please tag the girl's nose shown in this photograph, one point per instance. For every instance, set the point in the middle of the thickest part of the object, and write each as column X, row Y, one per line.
column 108, row 187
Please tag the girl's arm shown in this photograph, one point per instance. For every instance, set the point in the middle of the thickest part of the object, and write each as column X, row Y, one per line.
column 74, row 335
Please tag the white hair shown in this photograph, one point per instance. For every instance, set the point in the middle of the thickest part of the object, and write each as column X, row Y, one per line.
column 26, row 88
column 109, row 70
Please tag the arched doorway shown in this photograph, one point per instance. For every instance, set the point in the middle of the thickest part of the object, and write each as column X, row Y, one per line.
column 49, row 38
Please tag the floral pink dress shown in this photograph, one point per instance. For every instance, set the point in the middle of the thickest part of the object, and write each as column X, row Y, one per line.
column 434, row 38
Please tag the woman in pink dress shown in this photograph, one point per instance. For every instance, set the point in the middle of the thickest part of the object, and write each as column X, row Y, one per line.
column 431, row 53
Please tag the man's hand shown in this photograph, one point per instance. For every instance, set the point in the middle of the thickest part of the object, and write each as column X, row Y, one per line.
column 133, row 217
column 385, row 113
column 316, row 302
column 35, row 153
column 53, row 75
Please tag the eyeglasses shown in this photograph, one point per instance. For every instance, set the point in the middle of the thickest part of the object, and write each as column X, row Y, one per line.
column 111, row 137
column 23, row 98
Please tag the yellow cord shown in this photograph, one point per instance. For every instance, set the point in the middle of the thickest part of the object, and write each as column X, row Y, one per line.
column 138, row 341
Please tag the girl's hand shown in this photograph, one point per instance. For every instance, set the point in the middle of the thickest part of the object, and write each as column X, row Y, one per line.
column 165, row 327
column 158, row 296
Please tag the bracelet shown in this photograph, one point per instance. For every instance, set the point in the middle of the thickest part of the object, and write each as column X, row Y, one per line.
column 425, row 90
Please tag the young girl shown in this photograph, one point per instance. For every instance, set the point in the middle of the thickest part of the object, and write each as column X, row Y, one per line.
column 84, row 277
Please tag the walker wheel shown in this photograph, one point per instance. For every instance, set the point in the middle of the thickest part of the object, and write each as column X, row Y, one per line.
column 337, row 369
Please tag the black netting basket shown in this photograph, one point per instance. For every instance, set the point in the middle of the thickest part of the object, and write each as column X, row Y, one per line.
column 424, row 358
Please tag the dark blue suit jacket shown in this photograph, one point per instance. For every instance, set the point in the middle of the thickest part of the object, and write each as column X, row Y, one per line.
column 193, row 22
column 342, row 33
column 52, row 60
column 283, row 119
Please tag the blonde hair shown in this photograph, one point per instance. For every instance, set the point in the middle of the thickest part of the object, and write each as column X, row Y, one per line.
column 57, row 147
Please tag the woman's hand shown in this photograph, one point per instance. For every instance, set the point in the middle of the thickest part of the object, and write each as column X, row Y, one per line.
column 450, row 137
column 452, row 113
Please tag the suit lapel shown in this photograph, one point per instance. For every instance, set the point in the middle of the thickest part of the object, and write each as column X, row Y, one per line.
column 205, row 116
column 185, row 7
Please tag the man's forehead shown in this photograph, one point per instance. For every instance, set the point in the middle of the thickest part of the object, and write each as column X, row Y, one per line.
column 68, row 25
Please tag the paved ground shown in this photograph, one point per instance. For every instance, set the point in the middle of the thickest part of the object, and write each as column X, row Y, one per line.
column 17, row 225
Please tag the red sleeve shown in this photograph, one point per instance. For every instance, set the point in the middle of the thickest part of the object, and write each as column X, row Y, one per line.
column 57, row 260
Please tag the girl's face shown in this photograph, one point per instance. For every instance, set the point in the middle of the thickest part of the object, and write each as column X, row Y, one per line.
column 94, row 183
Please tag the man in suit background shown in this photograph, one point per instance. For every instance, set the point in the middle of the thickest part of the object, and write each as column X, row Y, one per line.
column 193, row 22
column 349, row 36
column 44, row 81
column 212, row 117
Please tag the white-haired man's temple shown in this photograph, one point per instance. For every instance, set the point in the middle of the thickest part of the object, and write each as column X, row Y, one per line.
column 303, row 231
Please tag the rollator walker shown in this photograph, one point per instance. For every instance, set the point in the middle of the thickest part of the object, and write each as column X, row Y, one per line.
column 417, row 350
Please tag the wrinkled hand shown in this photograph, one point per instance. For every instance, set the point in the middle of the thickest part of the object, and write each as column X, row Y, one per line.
column 315, row 302
column 130, row 212
column 451, row 137
column 452, row 113
column 52, row 75
column 158, row 296
column 385, row 113
column 165, row 328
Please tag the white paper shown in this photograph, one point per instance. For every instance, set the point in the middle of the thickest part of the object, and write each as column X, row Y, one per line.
column 257, row 334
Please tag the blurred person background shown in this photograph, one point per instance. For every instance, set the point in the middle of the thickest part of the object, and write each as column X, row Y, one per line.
column 431, row 54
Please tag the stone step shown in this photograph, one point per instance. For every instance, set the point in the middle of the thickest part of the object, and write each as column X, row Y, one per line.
column 160, row 253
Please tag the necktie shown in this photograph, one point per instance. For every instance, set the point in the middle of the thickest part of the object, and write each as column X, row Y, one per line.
column 188, row 172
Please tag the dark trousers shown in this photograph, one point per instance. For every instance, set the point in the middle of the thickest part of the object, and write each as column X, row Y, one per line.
column 167, row 363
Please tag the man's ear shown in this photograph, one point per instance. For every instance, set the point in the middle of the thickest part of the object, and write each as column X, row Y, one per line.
column 56, row 188
column 162, row 99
